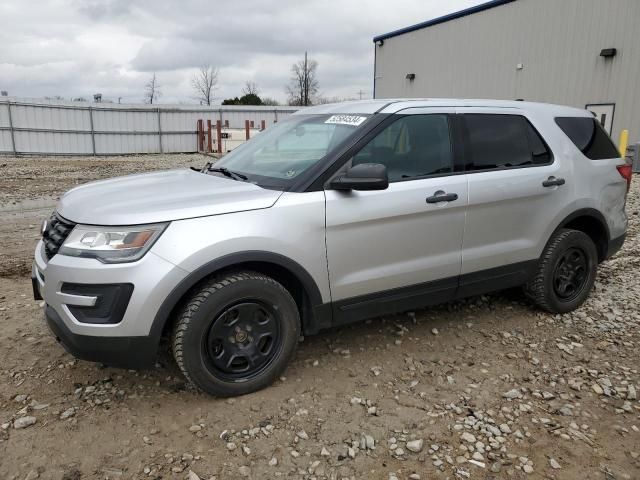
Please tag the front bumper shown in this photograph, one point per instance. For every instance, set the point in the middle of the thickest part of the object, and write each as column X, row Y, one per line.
column 123, row 352
column 128, row 342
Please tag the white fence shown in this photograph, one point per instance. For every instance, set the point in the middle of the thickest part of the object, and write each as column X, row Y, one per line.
column 41, row 127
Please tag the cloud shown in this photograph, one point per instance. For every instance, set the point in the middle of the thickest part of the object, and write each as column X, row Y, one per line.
column 99, row 10
column 80, row 47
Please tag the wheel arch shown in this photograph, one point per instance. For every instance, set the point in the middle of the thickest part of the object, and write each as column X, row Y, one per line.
column 295, row 278
column 592, row 223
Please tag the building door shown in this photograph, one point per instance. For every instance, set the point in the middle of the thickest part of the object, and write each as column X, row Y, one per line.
column 604, row 114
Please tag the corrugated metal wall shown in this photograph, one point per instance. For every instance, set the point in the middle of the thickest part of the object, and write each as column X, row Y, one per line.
column 558, row 43
column 73, row 128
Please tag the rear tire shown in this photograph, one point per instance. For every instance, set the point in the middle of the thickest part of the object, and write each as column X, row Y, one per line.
column 566, row 272
column 236, row 333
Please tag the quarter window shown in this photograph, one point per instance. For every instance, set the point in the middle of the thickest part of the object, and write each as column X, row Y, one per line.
column 588, row 135
column 503, row 141
column 411, row 147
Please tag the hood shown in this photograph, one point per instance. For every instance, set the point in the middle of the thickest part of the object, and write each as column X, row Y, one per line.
column 161, row 197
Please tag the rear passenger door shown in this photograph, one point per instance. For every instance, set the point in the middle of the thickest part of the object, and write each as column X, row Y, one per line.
column 516, row 188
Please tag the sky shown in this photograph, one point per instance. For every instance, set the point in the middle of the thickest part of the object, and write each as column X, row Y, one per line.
column 75, row 48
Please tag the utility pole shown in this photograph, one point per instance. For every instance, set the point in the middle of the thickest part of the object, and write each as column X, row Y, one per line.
column 305, row 100
column 360, row 93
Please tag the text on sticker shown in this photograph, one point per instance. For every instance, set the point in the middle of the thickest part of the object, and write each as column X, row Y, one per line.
column 353, row 120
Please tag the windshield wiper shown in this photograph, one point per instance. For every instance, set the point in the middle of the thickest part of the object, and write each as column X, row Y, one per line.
column 228, row 173
column 203, row 169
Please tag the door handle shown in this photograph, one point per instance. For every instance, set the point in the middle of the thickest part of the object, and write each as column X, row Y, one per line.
column 441, row 196
column 553, row 182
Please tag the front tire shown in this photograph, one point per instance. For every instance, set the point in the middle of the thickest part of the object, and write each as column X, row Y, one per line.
column 566, row 272
column 236, row 333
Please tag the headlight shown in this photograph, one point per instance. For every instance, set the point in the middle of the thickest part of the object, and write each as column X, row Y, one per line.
column 111, row 244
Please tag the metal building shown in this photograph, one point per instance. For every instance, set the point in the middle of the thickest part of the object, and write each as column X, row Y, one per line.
column 583, row 53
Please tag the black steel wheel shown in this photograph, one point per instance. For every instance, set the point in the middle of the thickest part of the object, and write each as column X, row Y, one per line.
column 242, row 341
column 236, row 333
column 566, row 272
column 570, row 273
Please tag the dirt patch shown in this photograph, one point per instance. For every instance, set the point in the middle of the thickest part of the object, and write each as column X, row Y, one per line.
column 31, row 186
column 484, row 388
column 24, row 178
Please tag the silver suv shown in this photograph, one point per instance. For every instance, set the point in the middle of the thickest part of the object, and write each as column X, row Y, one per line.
column 339, row 213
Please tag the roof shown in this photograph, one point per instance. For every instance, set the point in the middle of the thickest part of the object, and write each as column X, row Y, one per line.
column 394, row 105
column 357, row 106
column 452, row 16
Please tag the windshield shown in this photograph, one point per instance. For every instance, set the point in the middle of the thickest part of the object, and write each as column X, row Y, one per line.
column 275, row 157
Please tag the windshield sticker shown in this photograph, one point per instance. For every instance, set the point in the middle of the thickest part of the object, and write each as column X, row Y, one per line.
column 353, row 120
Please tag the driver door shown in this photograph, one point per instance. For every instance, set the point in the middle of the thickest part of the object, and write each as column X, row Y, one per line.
column 399, row 248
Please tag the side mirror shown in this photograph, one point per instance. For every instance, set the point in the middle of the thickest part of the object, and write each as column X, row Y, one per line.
column 364, row 176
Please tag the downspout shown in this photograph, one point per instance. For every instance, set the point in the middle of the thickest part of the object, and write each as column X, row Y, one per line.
column 375, row 61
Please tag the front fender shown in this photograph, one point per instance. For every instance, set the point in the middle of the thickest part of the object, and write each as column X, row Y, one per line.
column 221, row 263
column 290, row 234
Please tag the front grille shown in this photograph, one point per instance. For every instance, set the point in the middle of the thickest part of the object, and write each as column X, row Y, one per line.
column 54, row 236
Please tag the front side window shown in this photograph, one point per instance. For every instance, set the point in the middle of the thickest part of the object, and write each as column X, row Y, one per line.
column 503, row 141
column 277, row 156
column 411, row 147
column 588, row 135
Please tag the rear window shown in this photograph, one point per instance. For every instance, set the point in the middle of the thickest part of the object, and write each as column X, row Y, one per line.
column 589, row 136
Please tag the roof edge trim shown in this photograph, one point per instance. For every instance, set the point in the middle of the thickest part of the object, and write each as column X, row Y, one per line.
column 445, row 18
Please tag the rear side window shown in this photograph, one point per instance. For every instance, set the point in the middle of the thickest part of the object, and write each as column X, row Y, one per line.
column 589, row 136
column 503, row 141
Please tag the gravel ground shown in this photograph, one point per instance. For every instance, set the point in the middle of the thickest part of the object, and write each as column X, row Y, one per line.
column 485, row 388
column 31, row 186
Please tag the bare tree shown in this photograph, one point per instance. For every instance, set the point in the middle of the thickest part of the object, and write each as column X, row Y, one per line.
column 152, row 90
column 304, row 83
column 203, row 83
column 250, row 88
column 269, row 101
